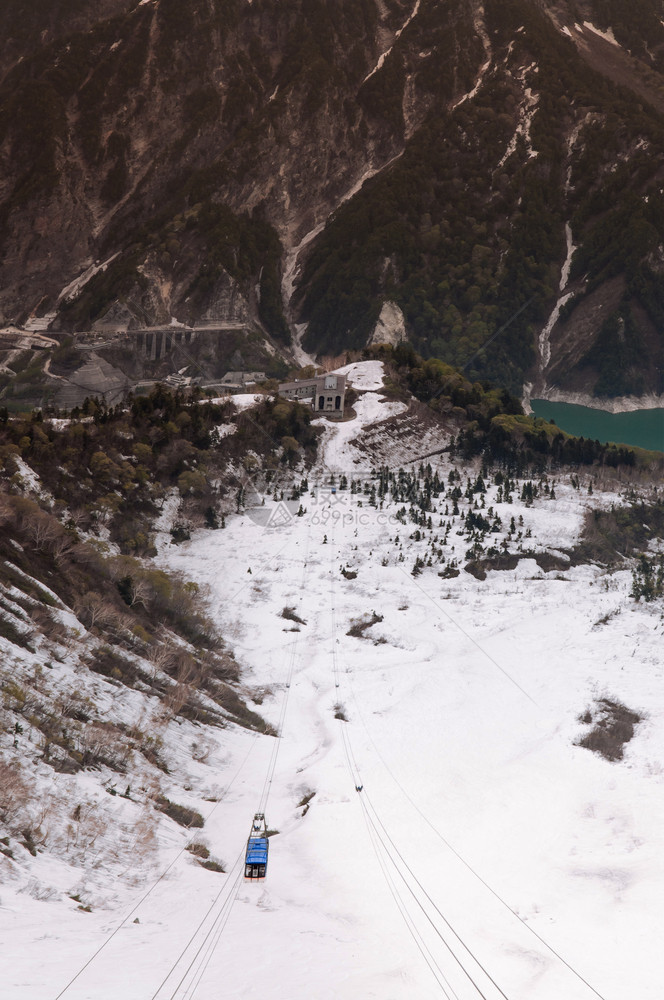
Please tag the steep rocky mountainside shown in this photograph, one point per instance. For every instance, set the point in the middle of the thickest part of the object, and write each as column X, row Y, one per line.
column 460, row 170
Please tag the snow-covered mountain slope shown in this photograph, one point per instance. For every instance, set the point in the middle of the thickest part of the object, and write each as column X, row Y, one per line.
column 455, row 704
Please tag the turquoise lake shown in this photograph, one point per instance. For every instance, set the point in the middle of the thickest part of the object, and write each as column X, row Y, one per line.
column 644, row 428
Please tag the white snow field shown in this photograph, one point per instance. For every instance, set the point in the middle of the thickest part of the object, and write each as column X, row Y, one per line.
column 486, row 854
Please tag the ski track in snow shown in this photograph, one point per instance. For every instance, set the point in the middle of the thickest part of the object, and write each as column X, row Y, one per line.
column 445, row 742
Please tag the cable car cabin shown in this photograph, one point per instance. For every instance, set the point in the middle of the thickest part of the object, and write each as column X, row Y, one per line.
column 255, row 861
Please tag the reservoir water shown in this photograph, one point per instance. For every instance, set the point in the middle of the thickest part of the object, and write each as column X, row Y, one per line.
column 643, row 428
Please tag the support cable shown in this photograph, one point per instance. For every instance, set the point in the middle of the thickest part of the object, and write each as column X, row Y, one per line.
column 424, row 950
column 211, row 940
column 450, row 847
column 213, row 934
column 470, row 638
column 442, row 916
column 375, row 838
column 269, row 777
column 467, row 864
column 238, row 862
column 419, row 903
column 154, row 885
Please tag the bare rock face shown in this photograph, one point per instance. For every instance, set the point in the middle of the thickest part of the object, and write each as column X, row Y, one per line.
column 157, row 301
column 391, row 326
column 95, row 377
column 224, row 305
column 118, row 316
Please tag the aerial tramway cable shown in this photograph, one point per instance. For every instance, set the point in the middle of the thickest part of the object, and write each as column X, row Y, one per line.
column 376, row 839
column 213, row 934
column 269, row 777
column 366, row 798
column 424, row 950
column 494, row 893
column 373, row 840
column 191, row 989
column 212, row 937
column 467, row 864
column 272, row 764
column 384, row 840
column 471, row 639
column 237, row 863
column 154, row 885
column 552, row 950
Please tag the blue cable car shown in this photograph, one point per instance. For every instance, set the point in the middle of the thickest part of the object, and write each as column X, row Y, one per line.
column 255, row 861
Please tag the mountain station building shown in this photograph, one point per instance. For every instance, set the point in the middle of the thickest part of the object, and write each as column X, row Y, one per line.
column 326, row 393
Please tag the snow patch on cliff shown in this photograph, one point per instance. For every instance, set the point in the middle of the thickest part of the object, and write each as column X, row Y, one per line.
column 607, row 35
column 480, row 28
column 398, row 35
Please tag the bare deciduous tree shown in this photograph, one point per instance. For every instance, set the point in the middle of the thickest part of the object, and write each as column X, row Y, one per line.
column 42, row 529
column 6, row 509
column 101, row 743
column 94, row 609
column 15, row 791
column 139, row 592
column 187, row 676
column 162, row 658
column 63, row 546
